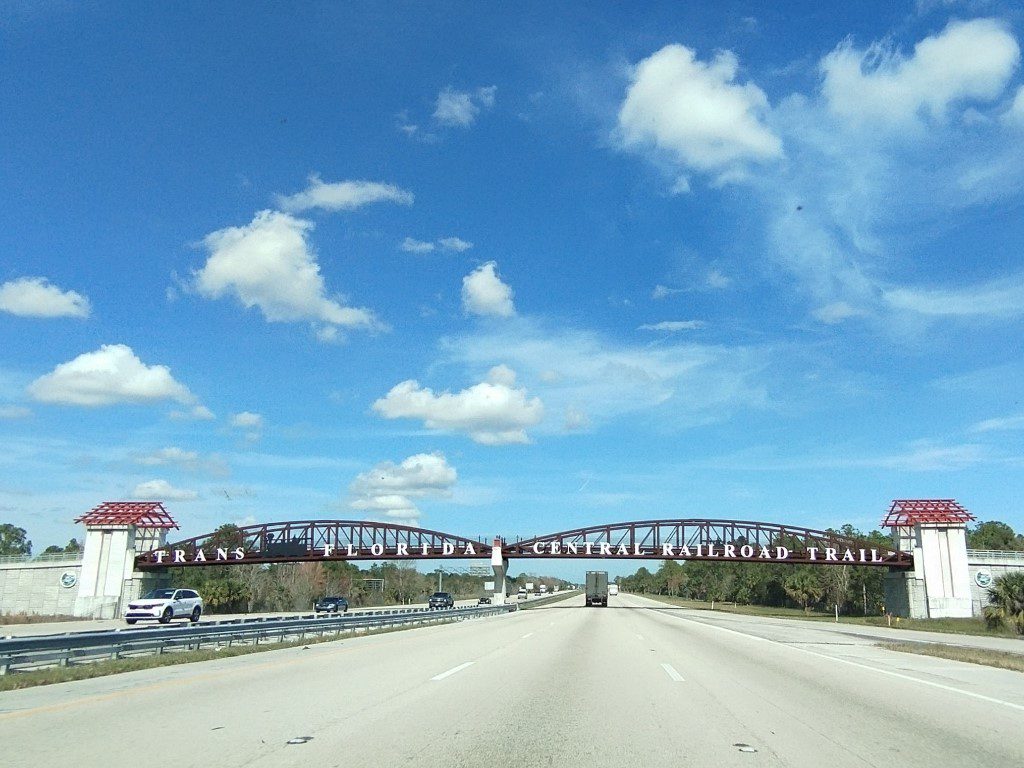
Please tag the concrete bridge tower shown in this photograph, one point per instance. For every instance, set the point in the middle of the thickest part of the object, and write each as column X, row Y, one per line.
column 115, row 532
column 939, row 586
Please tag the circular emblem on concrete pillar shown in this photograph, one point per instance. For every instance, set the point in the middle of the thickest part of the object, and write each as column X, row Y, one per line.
column 68, row 579
column 983, row 579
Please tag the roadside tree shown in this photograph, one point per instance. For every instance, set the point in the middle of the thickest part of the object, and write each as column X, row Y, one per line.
column 1006, row 602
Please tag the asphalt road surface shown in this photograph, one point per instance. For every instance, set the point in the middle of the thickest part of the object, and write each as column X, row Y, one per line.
column 636, row 684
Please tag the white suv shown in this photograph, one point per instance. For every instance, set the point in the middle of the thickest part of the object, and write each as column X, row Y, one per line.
column 164, row 605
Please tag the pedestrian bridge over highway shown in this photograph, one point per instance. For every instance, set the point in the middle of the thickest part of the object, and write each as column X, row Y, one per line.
column 126, row 551
column 320, row 540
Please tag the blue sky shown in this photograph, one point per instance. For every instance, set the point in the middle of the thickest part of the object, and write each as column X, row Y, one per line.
column 498, row 270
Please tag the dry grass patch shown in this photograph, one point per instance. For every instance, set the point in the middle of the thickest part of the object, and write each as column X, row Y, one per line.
column 35, row 618
column 1000, row 659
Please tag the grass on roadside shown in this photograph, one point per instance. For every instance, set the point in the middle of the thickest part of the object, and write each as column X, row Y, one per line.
column 973, row 626
column 1001, row 659
column 10, row 619
column 15, row 680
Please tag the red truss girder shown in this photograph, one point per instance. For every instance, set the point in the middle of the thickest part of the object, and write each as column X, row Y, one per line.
column 143, row 514
column 705, row 540
column 316, row 540
column 319, row 540
column 912, row 511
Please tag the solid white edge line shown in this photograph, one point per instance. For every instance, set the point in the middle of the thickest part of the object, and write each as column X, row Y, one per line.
column 671, row 672
column 528, row 634
column 940, row 686
column 453, row 670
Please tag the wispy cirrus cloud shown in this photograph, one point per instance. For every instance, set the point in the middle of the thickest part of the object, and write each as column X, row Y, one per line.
column 673, row 326
column 1002, row 424
column 598, row 378
column 343, row 195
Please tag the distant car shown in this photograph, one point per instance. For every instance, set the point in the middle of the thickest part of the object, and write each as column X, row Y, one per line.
column 331, row 605
column 441, row 600
column 164, row 605
column 484, row 601
column 522, row 594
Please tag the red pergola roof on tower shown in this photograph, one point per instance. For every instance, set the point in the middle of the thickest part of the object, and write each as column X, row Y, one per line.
column 913, row 511
column 144, row 514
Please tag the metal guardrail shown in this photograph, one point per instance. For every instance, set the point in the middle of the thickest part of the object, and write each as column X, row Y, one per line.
column 74, row 647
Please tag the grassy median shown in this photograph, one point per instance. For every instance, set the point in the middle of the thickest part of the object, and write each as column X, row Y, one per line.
column 1001, row 659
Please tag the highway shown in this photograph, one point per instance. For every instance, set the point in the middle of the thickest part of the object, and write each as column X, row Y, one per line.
column 636, row 684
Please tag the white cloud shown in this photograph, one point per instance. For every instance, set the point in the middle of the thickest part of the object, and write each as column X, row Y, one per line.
column 968, row 60
column 492, row 412
column 269, row 264
column 110, row 375
column 695, row 112
column 390, row 488
column 37, row 297
column 250, row 423
column 1000, row 298
column 196, row 413
column 412, row 245
column 14, row 412
column 484, row 293
column 342, row 195
column 461, row 108
column 672, row 326
column 247, row 420
column 456, row 244
column 161, row 490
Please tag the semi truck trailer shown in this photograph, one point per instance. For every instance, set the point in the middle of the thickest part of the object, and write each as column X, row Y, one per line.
column 597, row 588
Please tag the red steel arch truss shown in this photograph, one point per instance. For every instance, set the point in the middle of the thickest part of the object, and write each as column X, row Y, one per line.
column 712, row 540
column 734, row 540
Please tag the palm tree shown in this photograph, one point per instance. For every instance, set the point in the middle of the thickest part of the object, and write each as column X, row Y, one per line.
column 1006, row 602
